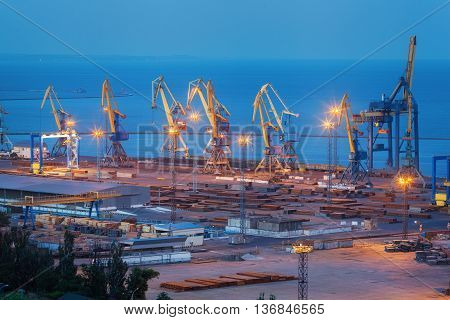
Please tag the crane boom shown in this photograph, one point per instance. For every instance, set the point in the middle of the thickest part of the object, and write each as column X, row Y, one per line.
column 173, row 113
column 110, row 106
column 58, row 111
column 217, row 115
column 160, row 87
column 214, row 109
column 355, row 171
column 64, row 125
column 344, row 110
column 271, row 121
column 115, row 154
column 410, row 62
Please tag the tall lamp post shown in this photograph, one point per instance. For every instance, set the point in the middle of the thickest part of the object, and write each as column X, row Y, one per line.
column 302, row 249
column 328, row 125
column 194, row 116
column 405, row 181
column 335, row 112
column 243, row 142
column 98, row 134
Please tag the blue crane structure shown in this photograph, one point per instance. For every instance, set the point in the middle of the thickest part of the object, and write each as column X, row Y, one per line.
column 384, row 118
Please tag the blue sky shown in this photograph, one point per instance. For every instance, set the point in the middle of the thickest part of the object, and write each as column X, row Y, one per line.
column 284, row 29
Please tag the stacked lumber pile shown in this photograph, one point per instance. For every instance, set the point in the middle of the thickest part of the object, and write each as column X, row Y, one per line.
column 238, row 279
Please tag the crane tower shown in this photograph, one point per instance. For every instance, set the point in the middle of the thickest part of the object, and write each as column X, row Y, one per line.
column 115, row 153
column 175, row 125
column 355, row 171
column 383, row 118
column 63, row 120
column 218, row 146
column 5, row 143
column 281, row 157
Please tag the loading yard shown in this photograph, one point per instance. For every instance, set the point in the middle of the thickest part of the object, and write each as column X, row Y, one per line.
column 220, row 227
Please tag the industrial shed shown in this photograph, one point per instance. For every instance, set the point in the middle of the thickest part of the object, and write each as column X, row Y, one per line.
column 16, row 186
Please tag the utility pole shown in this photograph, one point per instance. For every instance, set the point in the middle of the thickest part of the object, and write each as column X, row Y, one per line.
column 173, row 207
column 302, row 249
column 97, row 134
column 328, row 125
column 243, row 141
column 194, row 174
column 242, row 206
column 405, row 181
column 335, row 149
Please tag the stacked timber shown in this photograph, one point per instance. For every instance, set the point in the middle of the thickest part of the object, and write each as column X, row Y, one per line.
column 238, row 279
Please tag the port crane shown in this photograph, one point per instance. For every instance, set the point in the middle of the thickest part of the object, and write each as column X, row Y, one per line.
column 63, row 120
column 5, row 143
column 383, row 118
column 175, row 125
column 115, row 153
column 218, row 146
column 277, row 158
column 355, row 171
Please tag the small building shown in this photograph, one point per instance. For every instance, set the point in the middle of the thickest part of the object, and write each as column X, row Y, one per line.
column 282, row 227
column 195, row 233
column 13, row 187
column 160, row 250
column 23, row 150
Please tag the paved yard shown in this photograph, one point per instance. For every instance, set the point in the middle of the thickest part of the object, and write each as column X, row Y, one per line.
column 362, row 272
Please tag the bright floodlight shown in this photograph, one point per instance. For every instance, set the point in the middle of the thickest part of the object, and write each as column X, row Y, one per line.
column 244, row 140
column 334, row 110
column 194, row 116
column 327, row 124
column 97, row 133
column 405, row 180
column 70, row 123
column 304, row 246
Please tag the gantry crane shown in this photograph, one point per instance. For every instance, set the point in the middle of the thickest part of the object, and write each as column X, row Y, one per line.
column 278, row 158
column 383, row 118
column 63, row 120
column 115, row 153
column 218, row 114
column 5, row 143
column 175, row 125
column 355, row 171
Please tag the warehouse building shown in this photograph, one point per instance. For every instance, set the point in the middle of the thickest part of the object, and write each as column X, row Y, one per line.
column 13, row 187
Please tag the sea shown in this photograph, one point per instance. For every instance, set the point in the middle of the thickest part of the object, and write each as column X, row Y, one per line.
column 307, row 87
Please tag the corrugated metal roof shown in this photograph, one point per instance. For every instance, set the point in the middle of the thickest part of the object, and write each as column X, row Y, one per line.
column 176, row 226
column 51, row 185
column 159, row 240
